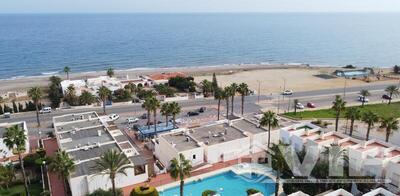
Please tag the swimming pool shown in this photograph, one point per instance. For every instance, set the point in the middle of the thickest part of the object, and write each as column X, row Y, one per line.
column 226, row 184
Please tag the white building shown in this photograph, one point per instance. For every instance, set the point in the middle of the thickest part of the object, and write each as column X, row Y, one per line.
column 92, row 84
column 6, row 155
column 218, row 142
column 85, row 137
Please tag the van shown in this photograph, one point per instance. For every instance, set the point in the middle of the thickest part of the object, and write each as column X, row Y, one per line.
column 7, row 115
column 45, row 110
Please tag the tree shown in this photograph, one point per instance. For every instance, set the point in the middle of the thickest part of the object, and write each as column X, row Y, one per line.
column 70, row 96
column 15, row 107
column 390, row 124
column 180, row 168
column 147, row 106
column 296, row 101
column 364, row 93
column 155, row 104
column 110, row 72
column 243, row 90
column 338, row 106
column 269, row 119
column 131, row 87
column 122, row 94
column 214, row 82
column 1, row 110
column 104, row 94
column 63, row 165
column 369, row 118
column 66, row 71
column 87, row 98
column 112, row 163
column 232, row 92
column 54, row 93
column 278, row 164
column 218, row 95
column 36, row 94
column 14, row 138
column 207, row 87
column 165, row 111
column 1, row 99
column 7, row 174
column 226, row 96
column 175, row 109
column 396, row 69
column 353, row 114
column 392, row 90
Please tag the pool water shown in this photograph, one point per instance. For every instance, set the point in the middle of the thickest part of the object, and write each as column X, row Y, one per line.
column 226, row 184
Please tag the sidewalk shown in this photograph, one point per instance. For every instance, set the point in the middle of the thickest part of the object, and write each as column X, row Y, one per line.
column 56, row 184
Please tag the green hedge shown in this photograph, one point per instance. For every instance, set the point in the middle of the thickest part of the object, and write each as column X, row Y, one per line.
column 144, row 191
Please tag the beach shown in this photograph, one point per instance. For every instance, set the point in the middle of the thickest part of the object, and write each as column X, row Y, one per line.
column 271, row 78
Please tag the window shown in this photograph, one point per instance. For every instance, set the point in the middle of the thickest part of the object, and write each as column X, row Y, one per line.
column 194, row 156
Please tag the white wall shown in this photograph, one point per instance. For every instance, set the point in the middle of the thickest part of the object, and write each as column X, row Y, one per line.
column 214, row 152
column 199, row 155
column 79, row 186
column 164, row 151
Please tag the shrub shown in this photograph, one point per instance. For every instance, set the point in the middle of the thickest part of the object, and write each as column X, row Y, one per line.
column 182, row 84
column 165, row 90
column 144, row 191
column 122, row 95
column 208, row 193
column 252, row 191
column 101, row 192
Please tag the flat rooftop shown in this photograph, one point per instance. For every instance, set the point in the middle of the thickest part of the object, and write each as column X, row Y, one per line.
column 82, row 137
column 215, row 134
column 74, row 117
column 180, row 141
column 4, row 126
column 248, row 126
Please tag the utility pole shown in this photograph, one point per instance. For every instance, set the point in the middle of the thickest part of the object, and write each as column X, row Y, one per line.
column 344, row 89
column 259, row 91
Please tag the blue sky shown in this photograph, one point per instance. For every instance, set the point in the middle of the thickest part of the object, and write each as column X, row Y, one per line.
column 115, row 6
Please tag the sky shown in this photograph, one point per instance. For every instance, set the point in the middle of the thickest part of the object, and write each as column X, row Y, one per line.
column 150, row 6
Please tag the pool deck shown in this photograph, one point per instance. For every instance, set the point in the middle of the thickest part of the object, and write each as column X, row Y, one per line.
column 165, row 180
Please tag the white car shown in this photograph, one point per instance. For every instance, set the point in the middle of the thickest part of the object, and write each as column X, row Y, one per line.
column 7, row 115
column 113, row 117
column 362, row 99
column 299, row 106
column 45, row 110
column 132, row 120
column 287, row 92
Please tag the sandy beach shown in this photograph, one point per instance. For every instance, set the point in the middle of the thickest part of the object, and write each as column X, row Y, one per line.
column 272, row 78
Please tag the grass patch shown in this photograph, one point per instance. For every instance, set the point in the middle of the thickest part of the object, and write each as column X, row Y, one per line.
column 17, row 190
column 382, row 110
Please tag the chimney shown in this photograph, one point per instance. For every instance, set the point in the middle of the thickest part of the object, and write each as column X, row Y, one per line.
column 187, row 139
column 99, row 133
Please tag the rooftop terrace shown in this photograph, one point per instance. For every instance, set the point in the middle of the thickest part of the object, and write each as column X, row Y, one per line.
column 180, row 141
column 247, row 126
column 215, row 134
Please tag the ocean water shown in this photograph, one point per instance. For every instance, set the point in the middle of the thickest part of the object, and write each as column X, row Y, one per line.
column 37, row 44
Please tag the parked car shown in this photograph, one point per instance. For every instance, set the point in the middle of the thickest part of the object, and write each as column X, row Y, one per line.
column 202, row 109
column 299, row 106
column 45, row 110
column 193, row 113
column 362, row 99
column 7, row 115
column 287, row 92
column 132, row 120
column 311, row 105
column 387, row 97
column 113, row 117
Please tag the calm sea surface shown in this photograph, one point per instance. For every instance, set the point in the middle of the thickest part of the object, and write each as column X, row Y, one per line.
column 43, row 44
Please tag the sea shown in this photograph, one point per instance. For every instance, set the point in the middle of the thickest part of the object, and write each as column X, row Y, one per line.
column 42, row 44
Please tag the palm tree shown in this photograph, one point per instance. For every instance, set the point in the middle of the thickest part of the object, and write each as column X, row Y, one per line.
column 154, row 105
column 36, row 94
column 278, row 163
column 110, row 72
column 131, row 87
column 232, row 93
column 370, row 118
column 165, row 111
column 112, row 163
column 14, row 138
column 353, row 114
column 226, row 96
column 87, row 98
column 296, row 101
column 7, row 174
column 338, row 106
column 243, row 90
column 63, row 165
column 218, row 96
column 104, row 94
column 391, row 124
column 175, row 109
column 269, row 119
column 66, row 71
column 392, row 90
column 364, row 93
column 207, row 87
column 180, row 168
column 147, row 106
